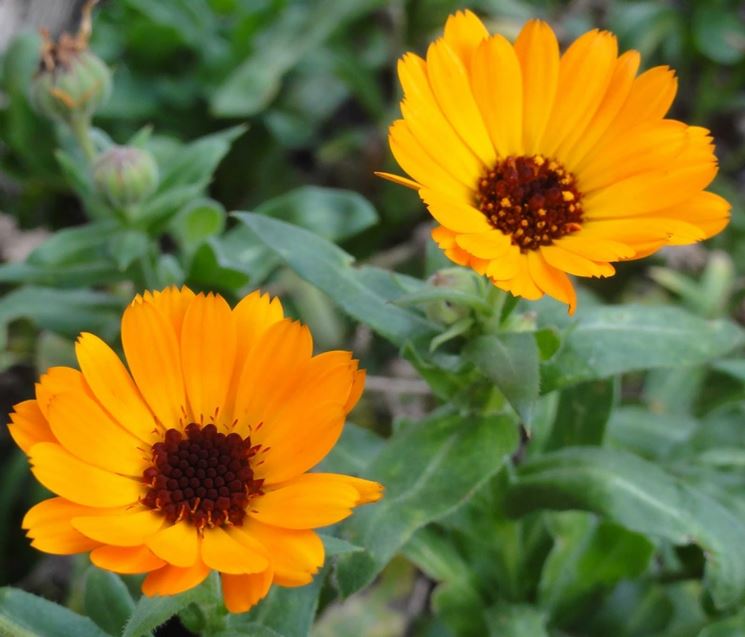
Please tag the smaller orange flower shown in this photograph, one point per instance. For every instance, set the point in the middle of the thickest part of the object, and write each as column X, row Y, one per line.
column 537, row 165
column 197, row 458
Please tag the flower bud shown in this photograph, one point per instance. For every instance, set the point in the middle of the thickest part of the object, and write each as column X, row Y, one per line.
column 71, row 82
column 125, row 176
column 449, row 310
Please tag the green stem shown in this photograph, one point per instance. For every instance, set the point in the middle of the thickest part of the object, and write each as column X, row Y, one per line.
column 81, row 128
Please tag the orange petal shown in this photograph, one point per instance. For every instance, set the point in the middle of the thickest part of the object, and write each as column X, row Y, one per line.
column 295, row 555
column 126, row 529
column 177, row 544
column 172, row 580
column 28, row 425
column 152, row 351
column 87, row 431
column 457, row 215
column 58, row 380
column 171, row 303
column 463, row 32
column 61, row 472
column 48, row 525
column 585, row 71
column 208, row 348
column 538, row 52
column 271, row 371
column 242, row 592
column 223, row 553
column 126, row 559
column 397, row 179
column 551, row 281
column 114, row 388
column 450, row 84
column 308, row 501
column 496, row 79
column 573, row 263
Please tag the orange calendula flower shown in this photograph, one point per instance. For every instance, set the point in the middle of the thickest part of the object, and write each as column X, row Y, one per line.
column 197, row 458
column 537, row 165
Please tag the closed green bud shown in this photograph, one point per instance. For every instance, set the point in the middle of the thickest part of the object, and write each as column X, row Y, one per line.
column 125, row 176
column 455, row 306
column 71, row 82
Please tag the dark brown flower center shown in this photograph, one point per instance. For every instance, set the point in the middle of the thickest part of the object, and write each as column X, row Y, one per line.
column 204, row 477
column 533, row 200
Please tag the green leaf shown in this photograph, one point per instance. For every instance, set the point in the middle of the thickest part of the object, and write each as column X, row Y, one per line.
column 151, row 612
column 127, row 246
column 428, row 469
column 194, row 164
column 26, row 615
column 337, row 546
column 197, row 222
column 582, row 415
column 331, row 213
column 718, row 34
column 511, row 361
column 507, row 620
column 604, row 341
column 95, row 272
column 65, row 311
column 648, row 433
column 107, row 600
column 642, row 497
column 329, row 268
column 73, row 245
column 729, row 627
column 588, row 557
column 256, row 82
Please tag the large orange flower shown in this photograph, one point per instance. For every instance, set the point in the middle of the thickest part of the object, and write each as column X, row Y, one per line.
column 197, row 458
column 537, row 165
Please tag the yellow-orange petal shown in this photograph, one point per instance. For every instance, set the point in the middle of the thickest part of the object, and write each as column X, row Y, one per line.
column 88, row 432
column 48, row 526
column 463, row 32
column 398, row 179
column 113, row 387
column 355, row 392
column 456, row 215
column 496, row 81
column 298, row 441
column 450, row 84
column 551, row 281
column 223, row 553
column 582, row 139
column 573, row 263
column 418, row 163
column 131, row 528
column 58, row 380
column 308, row 501
column 62, row 473
column 295, row 554
column 242, row 592
column 171, row 303
column 485, row 245
column 28, row 425
column 172, row 580
column 177, row 544
column 270, row 372
column 585, row 70
column 538, row 52
column 126, row 559
column 153, row 355
column 208, row 349
column 430, row 127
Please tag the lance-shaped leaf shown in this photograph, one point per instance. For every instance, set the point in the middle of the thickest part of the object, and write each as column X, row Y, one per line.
column 604, row 341
column 428, row 470
column 642, row 497
column 329, row 268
